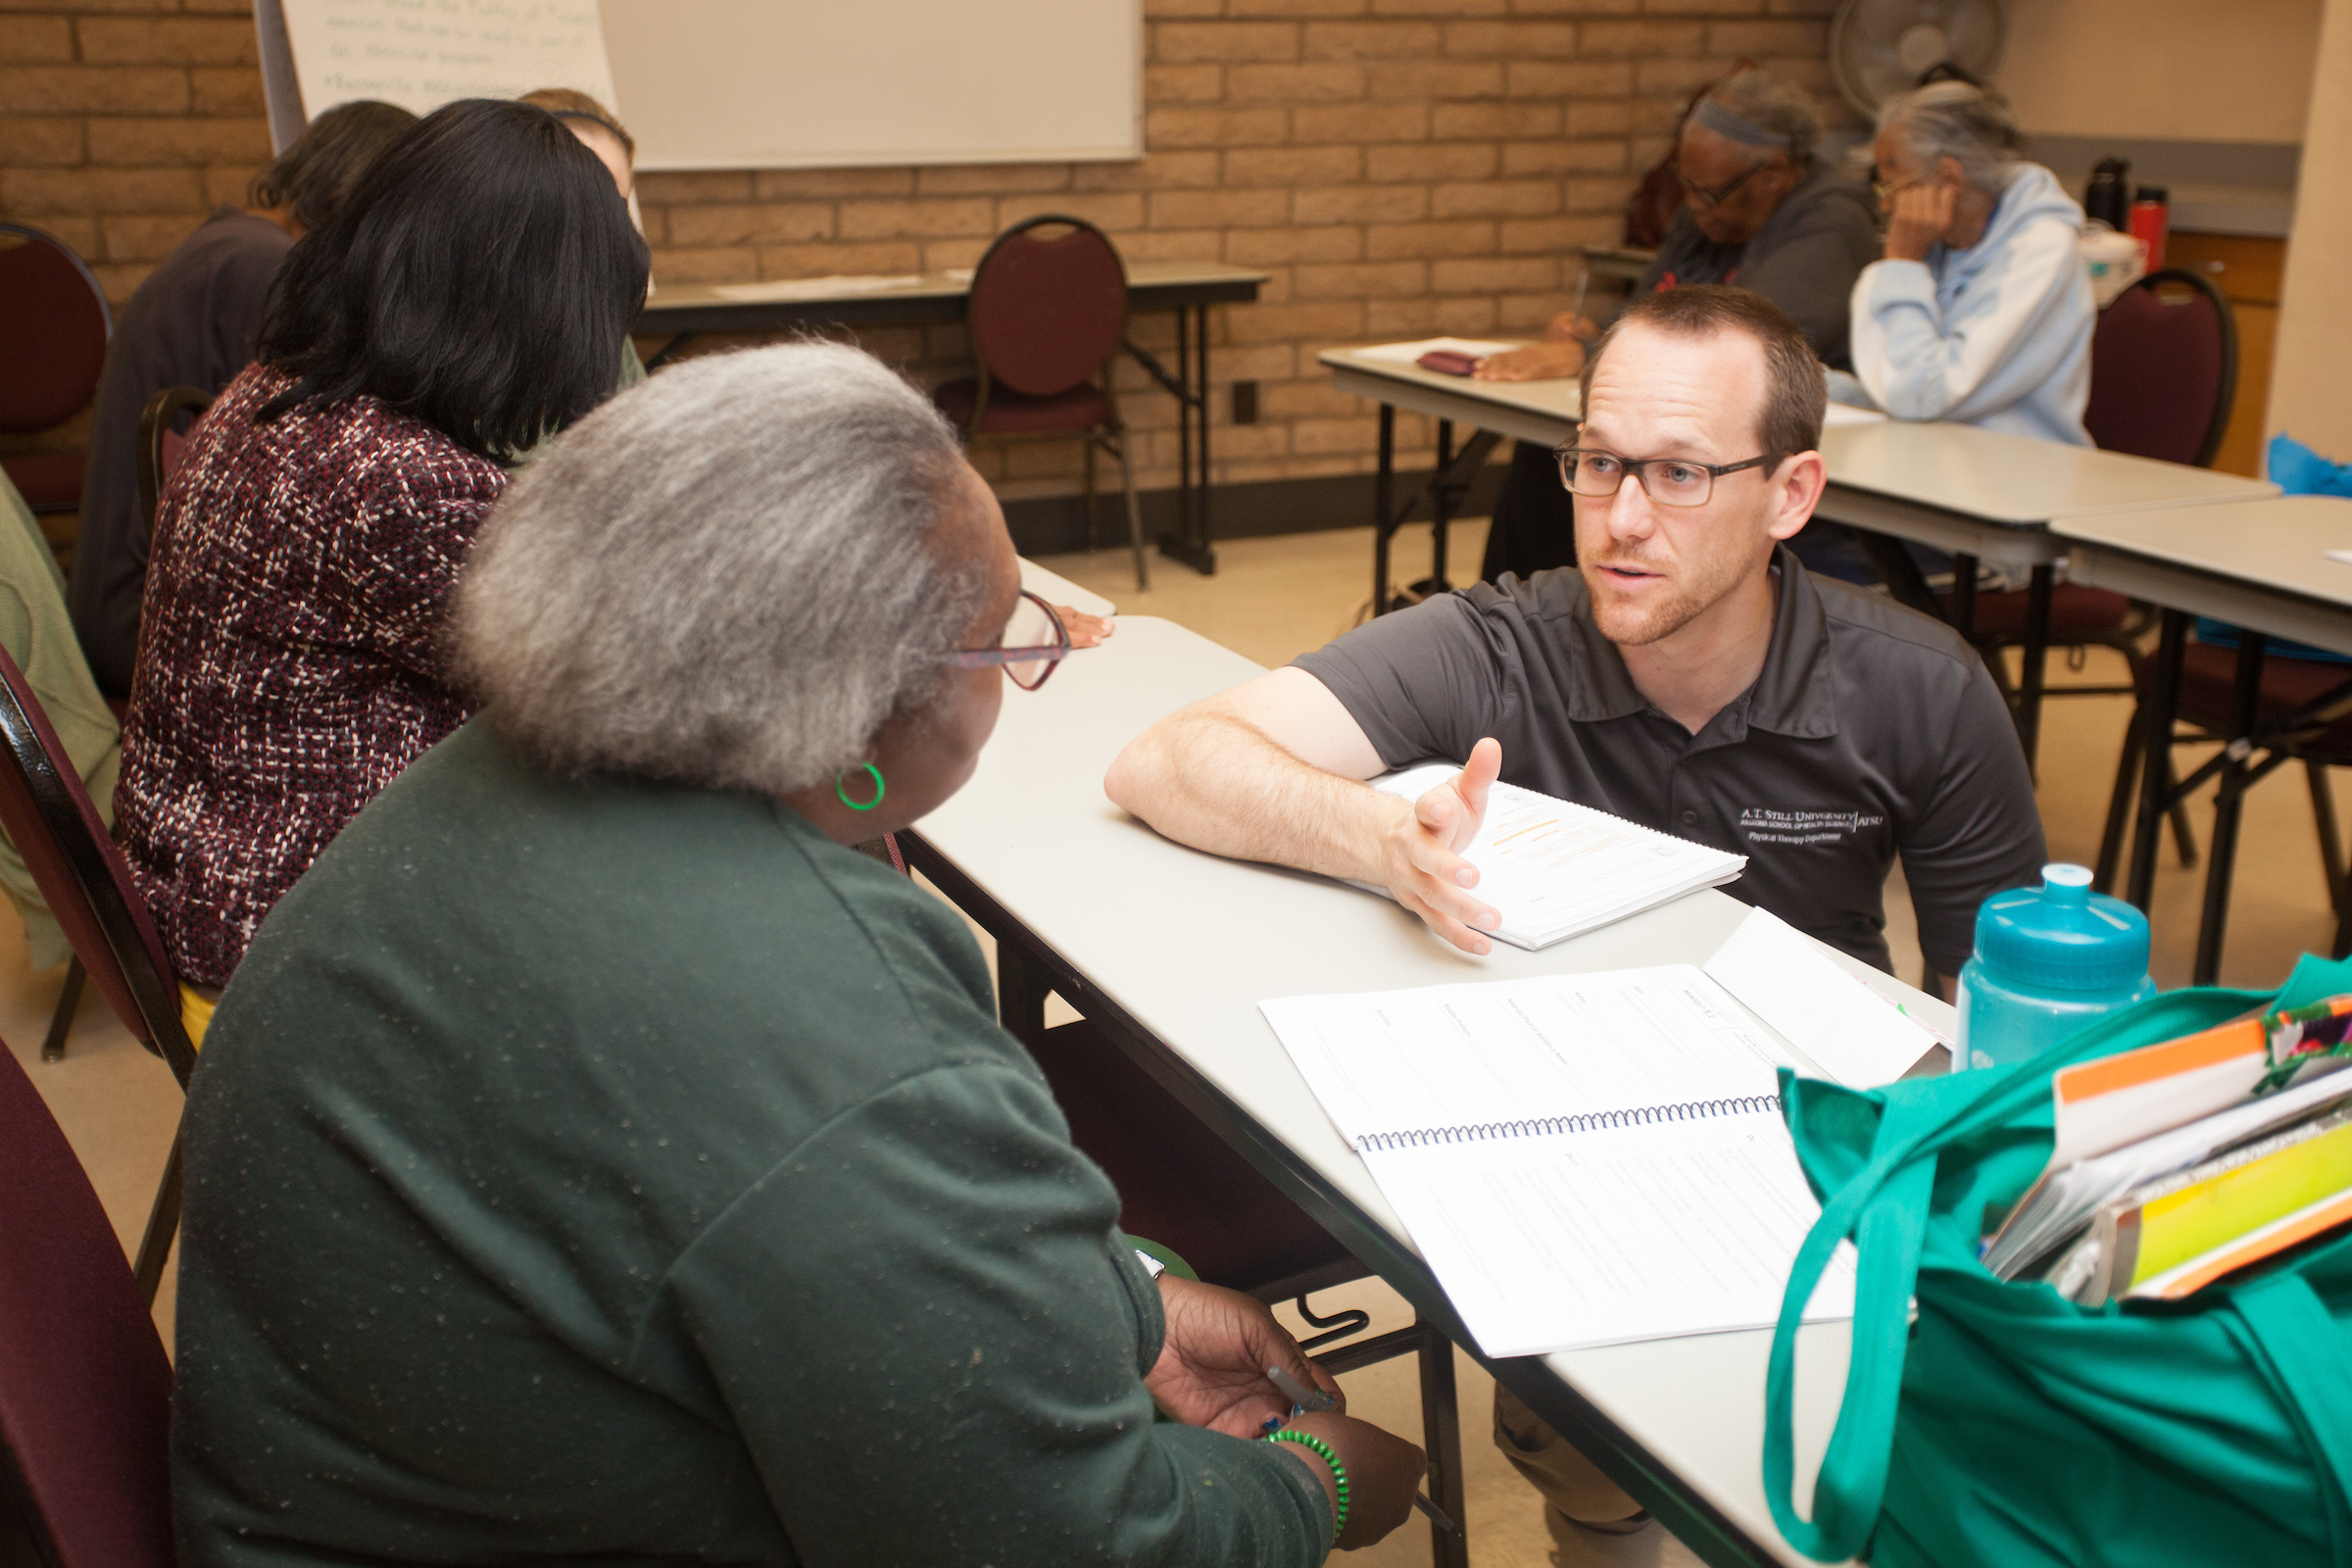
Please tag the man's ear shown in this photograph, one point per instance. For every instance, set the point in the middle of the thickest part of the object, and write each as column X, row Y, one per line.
column 1796, row 486
column 1949, row 172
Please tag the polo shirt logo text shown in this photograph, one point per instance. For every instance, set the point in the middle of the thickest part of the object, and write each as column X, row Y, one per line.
column 1766, row 824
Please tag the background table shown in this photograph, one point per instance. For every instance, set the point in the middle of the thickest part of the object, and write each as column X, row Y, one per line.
column 1169, row 952
column 1984, row 495
column 1979, row 494
column 2260, row 567
column 1188, row 288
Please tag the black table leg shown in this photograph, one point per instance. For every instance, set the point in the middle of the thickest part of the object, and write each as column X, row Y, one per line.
column 1192, row 540
column 2036, row 660
column 1441, row 1432
column 1902, row 574
column 1442, row 502
column 2221, row 858
column 1022, row 992
column 2156, row 740
column 663, row 354
column 1964, row 596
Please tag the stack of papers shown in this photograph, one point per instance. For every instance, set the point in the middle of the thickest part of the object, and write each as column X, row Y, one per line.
column 1584, row 1159
column 1410, row 353
column 1555, row 869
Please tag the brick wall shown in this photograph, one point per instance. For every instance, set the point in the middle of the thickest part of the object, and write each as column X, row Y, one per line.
column 1398, row 167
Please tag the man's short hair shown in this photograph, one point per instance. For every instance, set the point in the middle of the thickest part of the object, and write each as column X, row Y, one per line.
column 1795, row 391
column 324, row 166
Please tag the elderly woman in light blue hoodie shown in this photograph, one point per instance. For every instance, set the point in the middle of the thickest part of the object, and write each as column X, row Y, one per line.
column 1981, row 310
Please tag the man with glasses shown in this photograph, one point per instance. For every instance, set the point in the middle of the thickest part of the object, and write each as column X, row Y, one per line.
column 1689, row 674
column 1759, row 211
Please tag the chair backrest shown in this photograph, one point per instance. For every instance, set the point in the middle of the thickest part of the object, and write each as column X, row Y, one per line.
column 54, row 325
column 85, row 1392
column 2164, row 369
column 82, row 876
column 1045, row 311
column 160, row 447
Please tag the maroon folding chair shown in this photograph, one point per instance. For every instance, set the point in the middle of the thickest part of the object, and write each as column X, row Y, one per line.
column 160, row 447
column 160, row 442
column 50, row 819
column 2163, row 372
column 85, row 1392
column 54, row 327
column 1045, row 316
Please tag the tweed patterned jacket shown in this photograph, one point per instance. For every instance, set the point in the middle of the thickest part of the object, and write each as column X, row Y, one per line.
column 290, row 659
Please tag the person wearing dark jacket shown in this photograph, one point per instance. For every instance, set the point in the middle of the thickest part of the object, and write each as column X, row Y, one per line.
column 1759, row 212
column 194, row 323
column 597, row 1161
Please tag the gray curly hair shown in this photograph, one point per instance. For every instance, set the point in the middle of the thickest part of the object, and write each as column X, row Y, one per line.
column 1958, row 120
column 727, row 576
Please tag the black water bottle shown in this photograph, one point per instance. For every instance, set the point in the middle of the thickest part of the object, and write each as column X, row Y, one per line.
column 2108, row 197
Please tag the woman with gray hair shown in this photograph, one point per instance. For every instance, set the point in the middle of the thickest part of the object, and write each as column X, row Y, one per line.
column 595, row 1158
column 1980, row 311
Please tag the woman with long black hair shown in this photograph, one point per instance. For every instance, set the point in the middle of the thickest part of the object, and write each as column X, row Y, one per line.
column 470, row 298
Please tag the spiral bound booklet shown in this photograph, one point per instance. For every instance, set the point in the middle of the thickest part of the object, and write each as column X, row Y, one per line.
column 1582, row 1159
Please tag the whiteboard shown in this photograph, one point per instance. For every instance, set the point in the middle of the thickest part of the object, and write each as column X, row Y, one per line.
column 744, row 83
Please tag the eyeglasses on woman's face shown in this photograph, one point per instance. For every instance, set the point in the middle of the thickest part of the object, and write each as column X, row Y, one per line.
column 1595, row 474
column 1033, row 642
column 1702, row 198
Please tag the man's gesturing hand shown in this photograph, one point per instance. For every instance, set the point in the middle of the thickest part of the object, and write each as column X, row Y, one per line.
column 1426, row 872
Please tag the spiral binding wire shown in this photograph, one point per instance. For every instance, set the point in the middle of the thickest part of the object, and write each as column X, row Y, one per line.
column 1591, row 1121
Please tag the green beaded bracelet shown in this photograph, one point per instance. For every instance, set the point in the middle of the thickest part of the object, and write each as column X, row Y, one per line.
column 1339, row 1472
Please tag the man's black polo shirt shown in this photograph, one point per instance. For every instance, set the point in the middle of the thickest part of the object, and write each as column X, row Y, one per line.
column 1871, row 731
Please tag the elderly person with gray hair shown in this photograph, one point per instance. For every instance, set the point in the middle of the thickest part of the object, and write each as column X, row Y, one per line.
column 1980, row 312
column 595, row 1159
column 1759, row 212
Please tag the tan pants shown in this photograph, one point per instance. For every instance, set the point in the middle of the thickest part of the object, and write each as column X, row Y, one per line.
column 1592, row 1518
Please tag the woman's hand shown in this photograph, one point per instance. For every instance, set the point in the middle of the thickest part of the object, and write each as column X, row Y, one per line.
column 1922, row 215
column 1384, row 1473
column 1086, row 631
column 1533, row 362
column 1570, row 327
column 1211, row 1370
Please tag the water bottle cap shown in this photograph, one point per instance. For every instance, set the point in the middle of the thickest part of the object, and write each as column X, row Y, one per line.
column 2062, row 936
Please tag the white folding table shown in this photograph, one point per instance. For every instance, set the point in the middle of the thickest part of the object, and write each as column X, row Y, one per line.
column 1979, row 494
column 1168, row 951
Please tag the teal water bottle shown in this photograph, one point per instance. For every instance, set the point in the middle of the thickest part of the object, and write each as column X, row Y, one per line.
column 2050, row 961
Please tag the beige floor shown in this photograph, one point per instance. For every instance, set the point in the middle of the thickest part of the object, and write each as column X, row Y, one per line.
column 1271, row 600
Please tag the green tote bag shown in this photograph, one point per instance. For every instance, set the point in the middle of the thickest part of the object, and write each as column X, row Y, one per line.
column 2009, row 1426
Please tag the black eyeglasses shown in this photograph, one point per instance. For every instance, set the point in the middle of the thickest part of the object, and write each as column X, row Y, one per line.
column 1701, row 196
column 1034, row 641
column 1668, row 481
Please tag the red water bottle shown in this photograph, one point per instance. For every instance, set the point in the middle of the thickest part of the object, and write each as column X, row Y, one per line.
column 2151, row 213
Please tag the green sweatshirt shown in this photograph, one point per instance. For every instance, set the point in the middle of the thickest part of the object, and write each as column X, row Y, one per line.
column 607, row 1170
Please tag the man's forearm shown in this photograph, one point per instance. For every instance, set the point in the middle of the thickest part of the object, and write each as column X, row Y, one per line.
column 1220, row 784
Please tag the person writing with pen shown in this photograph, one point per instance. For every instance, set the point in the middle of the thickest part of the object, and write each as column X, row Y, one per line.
column 1689, row 674
column 596, row 1159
